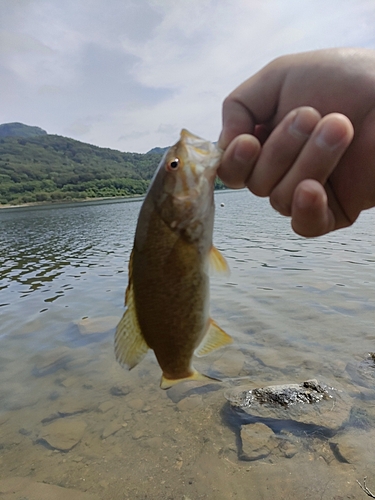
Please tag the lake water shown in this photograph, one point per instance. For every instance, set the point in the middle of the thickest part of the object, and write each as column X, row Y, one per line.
column 74, row 423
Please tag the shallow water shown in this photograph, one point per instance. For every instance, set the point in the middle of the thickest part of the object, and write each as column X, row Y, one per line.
column 70, row 416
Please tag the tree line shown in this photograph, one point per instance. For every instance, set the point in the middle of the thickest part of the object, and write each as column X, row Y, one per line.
column 49, row 168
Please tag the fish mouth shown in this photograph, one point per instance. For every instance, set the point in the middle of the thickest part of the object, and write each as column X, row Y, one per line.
column 204, row 155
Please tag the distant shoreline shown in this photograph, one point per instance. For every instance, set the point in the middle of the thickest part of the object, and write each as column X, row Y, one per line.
column 104, row 199
column 67, row 202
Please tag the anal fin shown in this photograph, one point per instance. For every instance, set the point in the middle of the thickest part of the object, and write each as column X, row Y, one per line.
column 166, row 383
column 215, row 338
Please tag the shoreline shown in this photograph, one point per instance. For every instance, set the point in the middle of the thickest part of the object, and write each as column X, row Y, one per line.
column 74, row 201
column 104, row 199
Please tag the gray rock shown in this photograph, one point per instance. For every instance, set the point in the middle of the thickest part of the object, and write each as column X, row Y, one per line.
column 63, row 434
column 309, row 403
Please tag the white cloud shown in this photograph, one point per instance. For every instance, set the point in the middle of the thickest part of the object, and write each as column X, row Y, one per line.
column 129, row 74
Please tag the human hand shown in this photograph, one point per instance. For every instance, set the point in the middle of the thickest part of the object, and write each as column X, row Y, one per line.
column 302, row 131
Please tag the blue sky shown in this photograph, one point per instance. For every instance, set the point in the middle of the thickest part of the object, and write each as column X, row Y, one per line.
column 129, row 74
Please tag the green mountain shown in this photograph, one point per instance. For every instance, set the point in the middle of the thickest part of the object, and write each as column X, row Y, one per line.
column 158, row 150
column 19, row 130
column 49, row 168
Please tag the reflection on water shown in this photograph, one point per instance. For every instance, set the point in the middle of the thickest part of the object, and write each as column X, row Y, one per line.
column 73, row 423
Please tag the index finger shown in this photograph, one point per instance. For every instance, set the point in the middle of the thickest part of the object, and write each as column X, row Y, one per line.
column 253, row 102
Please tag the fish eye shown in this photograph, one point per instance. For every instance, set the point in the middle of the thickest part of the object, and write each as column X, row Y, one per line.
column 173, row 165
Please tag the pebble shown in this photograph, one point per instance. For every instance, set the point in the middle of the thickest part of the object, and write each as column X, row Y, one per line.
column 136, row 404
column 111, row 429
column 138, row 434
column 120, row 390
column 154, row 443
column 63, row 434
column 106, row 406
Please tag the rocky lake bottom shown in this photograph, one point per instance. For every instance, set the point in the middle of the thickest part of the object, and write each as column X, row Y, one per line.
column 75, row 425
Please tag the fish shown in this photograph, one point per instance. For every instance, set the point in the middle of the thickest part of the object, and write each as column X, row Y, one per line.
column 167, row 297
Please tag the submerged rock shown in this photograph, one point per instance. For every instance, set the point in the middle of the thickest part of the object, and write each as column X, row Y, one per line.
column 63, row 434
column 363, row 372
column 120, row 390
column 230, row 363
column 185, row 389
column 309, row 403
column 112, row 428
column 51, row 361
column 257, row 441
column 190, row 403
column 95, row 326
column 15, row 488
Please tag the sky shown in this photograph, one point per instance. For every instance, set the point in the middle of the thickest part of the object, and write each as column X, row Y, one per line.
column 129, row 74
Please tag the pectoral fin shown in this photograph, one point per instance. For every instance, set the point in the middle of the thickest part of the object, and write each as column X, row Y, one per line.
column 130, row 346
column 214, row 338
column 217, row 262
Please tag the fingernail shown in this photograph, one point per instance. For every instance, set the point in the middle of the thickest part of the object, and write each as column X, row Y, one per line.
column 330, row 137
column 303, row 124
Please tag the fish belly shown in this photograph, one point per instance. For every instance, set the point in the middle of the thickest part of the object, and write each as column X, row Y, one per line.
column 171, row 290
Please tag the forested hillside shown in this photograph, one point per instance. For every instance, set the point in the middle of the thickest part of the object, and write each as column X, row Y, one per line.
column 48, row 168
column 20, row 130
column 52, row 168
